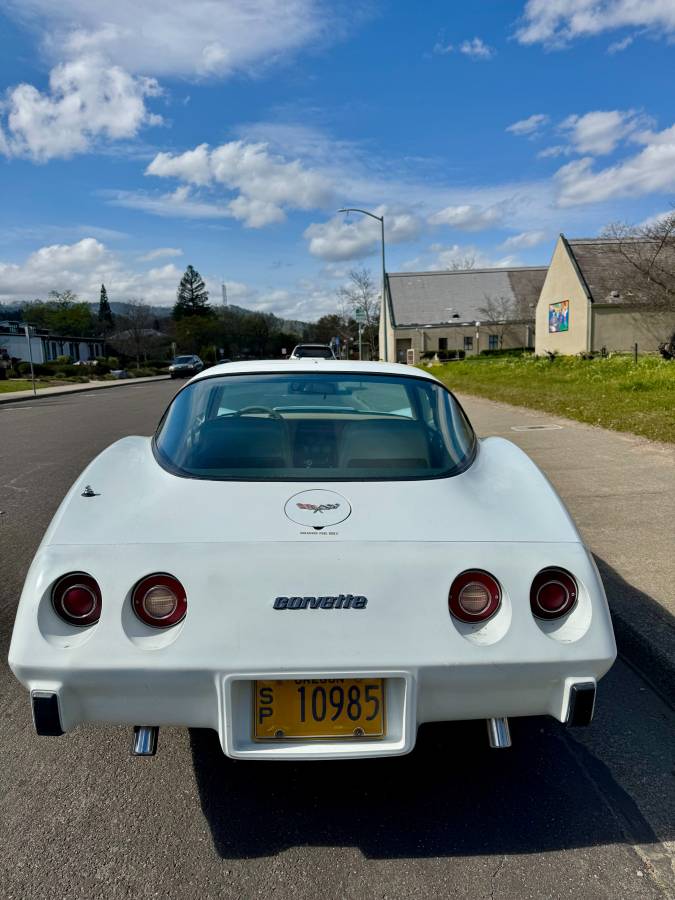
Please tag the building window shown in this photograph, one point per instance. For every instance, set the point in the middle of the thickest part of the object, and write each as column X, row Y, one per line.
column 442, row 343
column 468, row 342
column 493, row 342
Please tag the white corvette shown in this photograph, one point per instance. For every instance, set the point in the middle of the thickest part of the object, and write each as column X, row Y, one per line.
column 312, row 558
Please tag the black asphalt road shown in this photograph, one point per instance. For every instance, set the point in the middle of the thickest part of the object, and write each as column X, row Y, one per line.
column 580, row 814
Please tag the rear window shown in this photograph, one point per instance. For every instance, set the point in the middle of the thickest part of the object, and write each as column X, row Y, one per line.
column 314, row 427
column 313, row 353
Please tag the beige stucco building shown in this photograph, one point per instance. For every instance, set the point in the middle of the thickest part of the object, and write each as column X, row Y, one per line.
column 444, row 312
column 595, row 296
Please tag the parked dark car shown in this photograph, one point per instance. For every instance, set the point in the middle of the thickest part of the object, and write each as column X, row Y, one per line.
column 185, row 366
column 312, row 351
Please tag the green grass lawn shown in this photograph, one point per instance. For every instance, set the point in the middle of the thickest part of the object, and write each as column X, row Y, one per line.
column 613, row 393
column 24, row 384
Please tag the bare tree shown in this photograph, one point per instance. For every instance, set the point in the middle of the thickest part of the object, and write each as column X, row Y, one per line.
column 362, row 294
column 136, row 335
column 649, row 249
column 467, row 261
column 498, row 313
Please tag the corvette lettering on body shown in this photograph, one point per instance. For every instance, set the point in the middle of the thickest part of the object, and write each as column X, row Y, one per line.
column 341, row 601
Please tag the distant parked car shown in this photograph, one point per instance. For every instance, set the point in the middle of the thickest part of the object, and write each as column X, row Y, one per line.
column 185, row 366
column 119, row 373
column 312, row 351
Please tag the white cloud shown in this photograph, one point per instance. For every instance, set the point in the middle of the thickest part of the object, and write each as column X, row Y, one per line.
column 600, row 131
column 556, row 22
column 202, row 37
column 552, row 152
column 650, row 171
column 342, row 238
column 477, row 49
column 468, row 217
column 442, row 49
column 524, row 240
column 464, row 256
column 530, row 126
column 88, row 100
column 161, row 253
column 83, row 267
column 619, row 46
column 265, row 184
column 182, row 203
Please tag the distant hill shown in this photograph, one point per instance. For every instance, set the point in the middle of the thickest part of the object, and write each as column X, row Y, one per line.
column 12, row 312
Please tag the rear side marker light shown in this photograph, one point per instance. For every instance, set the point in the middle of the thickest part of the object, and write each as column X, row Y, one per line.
column 159, row 600
column 553, row 593
column 475, row 596
column 76, row 599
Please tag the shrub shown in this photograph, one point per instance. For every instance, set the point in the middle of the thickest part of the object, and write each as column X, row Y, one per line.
column 157, row 363
column 23, row 369
column 60, row 368
column 511, row 351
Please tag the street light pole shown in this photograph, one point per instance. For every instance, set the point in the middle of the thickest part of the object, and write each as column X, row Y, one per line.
column 383, row 307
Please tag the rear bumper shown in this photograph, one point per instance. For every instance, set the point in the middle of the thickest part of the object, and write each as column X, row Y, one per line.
column 199, row 674
column 224, row 702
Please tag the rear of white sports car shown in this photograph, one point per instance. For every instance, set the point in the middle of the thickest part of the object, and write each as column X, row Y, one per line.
column 311, row 559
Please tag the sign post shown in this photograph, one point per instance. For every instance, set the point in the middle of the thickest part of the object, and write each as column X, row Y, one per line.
column 30, row 357
column 360, row 317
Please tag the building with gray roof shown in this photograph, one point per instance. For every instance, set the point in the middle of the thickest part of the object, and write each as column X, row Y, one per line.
column 466, row 310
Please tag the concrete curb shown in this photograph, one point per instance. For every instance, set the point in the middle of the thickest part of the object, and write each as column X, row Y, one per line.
column 76, row 389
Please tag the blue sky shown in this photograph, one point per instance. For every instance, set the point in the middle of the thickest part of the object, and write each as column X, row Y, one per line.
column 138, row 137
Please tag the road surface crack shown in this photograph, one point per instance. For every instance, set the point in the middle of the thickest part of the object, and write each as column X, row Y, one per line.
column 496, row 872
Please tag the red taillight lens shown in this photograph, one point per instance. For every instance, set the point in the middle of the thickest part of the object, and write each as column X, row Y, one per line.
column 159, row 600
column 475, row 596
column 76, row 598
column 553, row 593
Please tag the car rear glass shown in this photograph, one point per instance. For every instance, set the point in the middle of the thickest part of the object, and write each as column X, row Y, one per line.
column 314, row 427
column 313, row 353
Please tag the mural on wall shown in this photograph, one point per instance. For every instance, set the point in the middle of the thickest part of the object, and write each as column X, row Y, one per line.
column 559, row 316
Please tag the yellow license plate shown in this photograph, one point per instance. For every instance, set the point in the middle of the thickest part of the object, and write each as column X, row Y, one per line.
column 319, row 708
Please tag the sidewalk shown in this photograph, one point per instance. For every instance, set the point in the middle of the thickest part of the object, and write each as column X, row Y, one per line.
column 620, row 490
column 16, row 396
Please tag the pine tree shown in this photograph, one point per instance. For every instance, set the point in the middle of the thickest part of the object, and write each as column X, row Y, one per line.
column 105, row 316
column 192, row 297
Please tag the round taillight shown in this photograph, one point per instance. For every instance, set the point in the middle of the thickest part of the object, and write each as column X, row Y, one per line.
column 159, row 600
column 475, row 596
column 76, row 598
column 553, row 593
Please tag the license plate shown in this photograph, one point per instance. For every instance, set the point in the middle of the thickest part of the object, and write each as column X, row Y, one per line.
column 319, row 708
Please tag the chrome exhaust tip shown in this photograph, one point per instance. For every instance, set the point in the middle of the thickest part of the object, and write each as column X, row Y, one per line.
column 498, row 733
column 145, row 740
